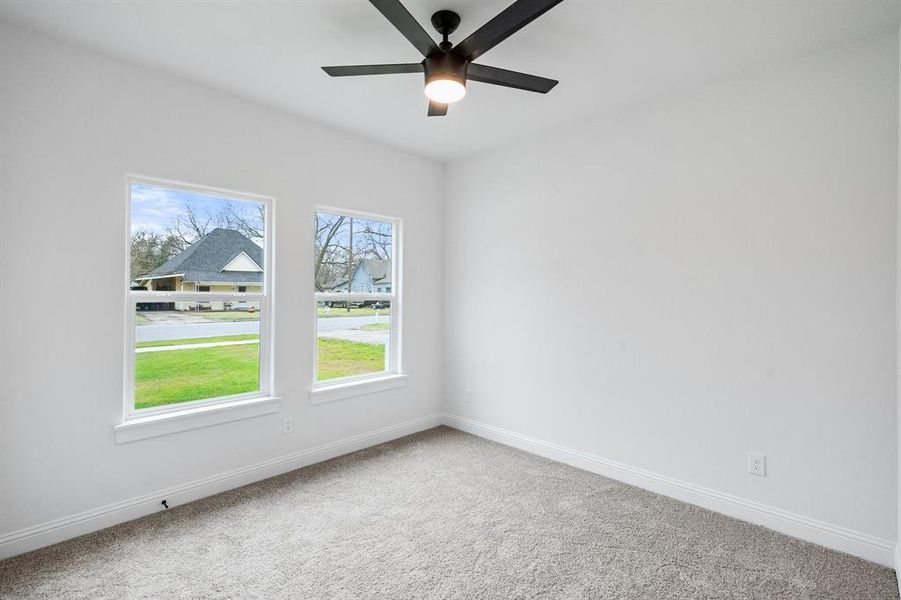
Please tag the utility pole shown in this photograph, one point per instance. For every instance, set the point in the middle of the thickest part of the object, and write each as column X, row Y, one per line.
column 350, row 262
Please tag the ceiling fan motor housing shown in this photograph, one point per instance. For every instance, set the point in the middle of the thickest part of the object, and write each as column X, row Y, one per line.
column 445, row 65
column 445, row 22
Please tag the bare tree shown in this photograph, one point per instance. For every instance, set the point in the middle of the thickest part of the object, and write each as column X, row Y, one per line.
column 328, row 260
column 342, row 242
column 249, row 223
column 375, row 240
column 188, row 227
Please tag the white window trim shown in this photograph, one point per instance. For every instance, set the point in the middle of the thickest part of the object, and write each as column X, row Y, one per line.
column 393, row 377
column 194, row 416
column 199, row 413
column 349, row 387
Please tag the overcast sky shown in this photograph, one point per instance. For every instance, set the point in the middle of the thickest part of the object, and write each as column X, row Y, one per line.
column 156, row 209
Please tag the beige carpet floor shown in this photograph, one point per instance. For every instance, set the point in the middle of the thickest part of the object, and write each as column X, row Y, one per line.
column 440, row 514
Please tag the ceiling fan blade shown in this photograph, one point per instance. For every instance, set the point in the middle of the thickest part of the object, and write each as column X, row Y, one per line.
column 436, row 109
column 409, row 27
column 511, row 79
column 506, row 23
column 351, row 70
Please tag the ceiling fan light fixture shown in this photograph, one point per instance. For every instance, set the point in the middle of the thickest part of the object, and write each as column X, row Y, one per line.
column 445, row 77
column 445, row 91
column 449, row 66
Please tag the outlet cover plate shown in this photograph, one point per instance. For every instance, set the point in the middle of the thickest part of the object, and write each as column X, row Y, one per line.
column 757, row 464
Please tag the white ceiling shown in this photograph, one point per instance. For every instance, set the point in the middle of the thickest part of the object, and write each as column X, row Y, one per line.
column 607, row 54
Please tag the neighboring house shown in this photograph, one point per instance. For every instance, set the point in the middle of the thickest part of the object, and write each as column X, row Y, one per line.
column 371, row 275
column 224, row 260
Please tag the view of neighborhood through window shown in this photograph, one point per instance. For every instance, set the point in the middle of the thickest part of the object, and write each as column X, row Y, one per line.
column 197, row 282
column 353, row 277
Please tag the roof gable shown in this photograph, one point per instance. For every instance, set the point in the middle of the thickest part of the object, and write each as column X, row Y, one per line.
column 243, row 263
column 377, row 268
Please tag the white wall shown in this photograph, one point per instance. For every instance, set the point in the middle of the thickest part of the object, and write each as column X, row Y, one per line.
column 898, row 326
column 718, row 276
column 73, row 123
column 694, row 279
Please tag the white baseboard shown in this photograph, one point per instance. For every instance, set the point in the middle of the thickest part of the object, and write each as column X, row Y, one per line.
column 898, row 567
column 52, row 532
column 858, row 544
column 865, row 546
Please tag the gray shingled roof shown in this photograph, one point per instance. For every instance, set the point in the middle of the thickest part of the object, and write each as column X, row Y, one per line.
column 204, row 259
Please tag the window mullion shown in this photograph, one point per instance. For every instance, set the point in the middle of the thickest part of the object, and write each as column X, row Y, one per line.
column 196, row 296
column 351, row 297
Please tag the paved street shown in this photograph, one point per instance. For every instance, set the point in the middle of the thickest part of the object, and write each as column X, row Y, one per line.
column 153, row 333
column 334, row 325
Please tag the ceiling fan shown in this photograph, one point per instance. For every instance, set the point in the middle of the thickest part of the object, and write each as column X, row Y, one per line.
column 448, row 67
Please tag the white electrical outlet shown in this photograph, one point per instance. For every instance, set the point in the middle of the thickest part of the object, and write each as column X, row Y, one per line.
column 757, row 464
column 468, row 398
column 288, row 425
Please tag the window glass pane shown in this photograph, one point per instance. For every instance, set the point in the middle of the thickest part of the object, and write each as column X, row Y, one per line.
column 352, row 254
column 352, row 339
column 186, row 241
column 188, row 351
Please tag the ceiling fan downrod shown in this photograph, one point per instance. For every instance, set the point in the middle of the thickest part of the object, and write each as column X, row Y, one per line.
column 445, row 23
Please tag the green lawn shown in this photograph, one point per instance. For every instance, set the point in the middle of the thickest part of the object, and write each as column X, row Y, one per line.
column 354, row 312
column 341, row 358
column 207, row 340
column 174, row 376
column 376, row 327
column 180, row 375
column 141, row 319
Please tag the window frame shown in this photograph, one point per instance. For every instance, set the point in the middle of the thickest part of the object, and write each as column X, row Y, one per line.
column 133, row 297
column 394, row 369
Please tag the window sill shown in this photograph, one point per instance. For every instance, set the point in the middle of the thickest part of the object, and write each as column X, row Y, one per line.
column 140, row 428
column 339, row 391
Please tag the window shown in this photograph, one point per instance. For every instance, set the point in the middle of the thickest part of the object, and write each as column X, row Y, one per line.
column 357, row 317
column 192, row 337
